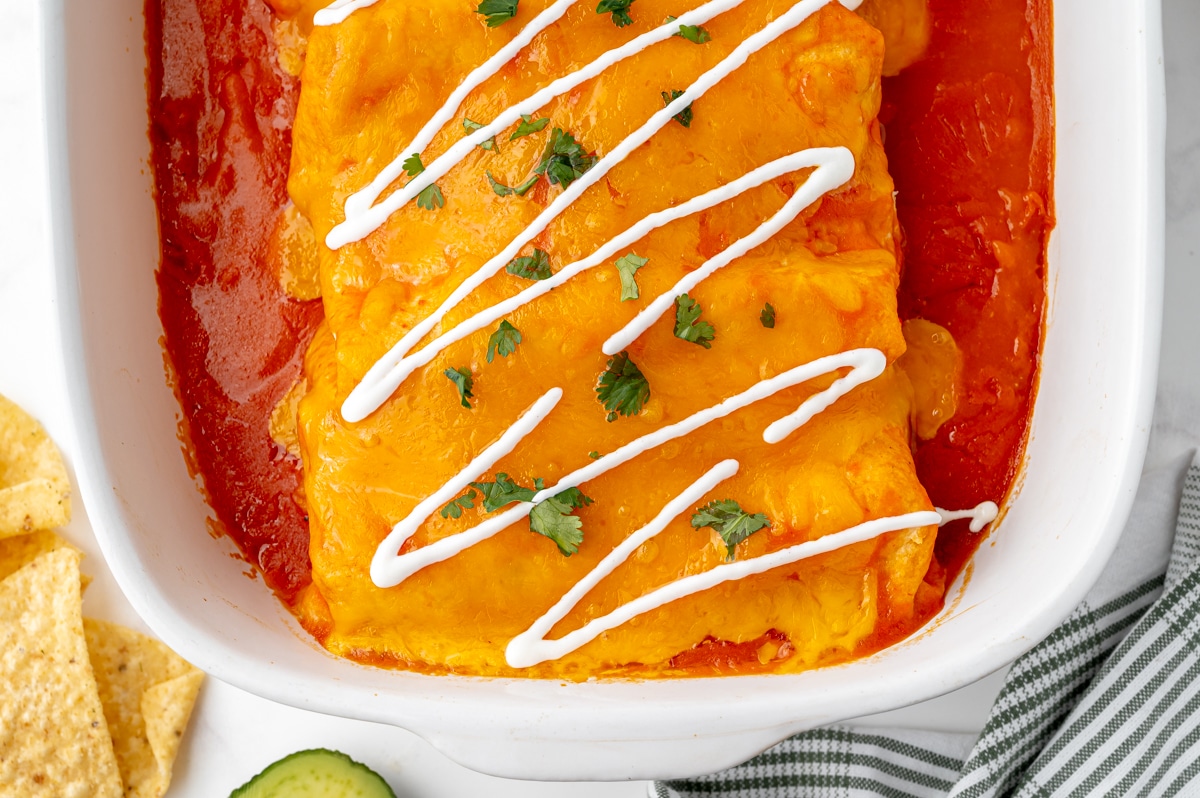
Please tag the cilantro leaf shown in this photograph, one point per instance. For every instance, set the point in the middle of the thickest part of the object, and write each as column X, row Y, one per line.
column 564, row 160
column 503, row 190
column 463, row 381
column 730, row 521
column 471, row 126
column 531, row 267
column 684, row 117
column 503, row 341
column 554, row 518
column 528, row 126
column 619, row 10
column 455, row 508
column 497, row 12
column 504, row 491
column 623, row 389
column 767, row 316
column 431, row 197
column 595, row 455
column 687, row 311
column 693, row 33
column 627, row 267
column 412, row 165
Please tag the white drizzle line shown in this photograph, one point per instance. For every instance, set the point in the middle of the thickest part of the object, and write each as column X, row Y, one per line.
column 338, row 10
column 389, row 568
column 834, row 167
column 981, row 515
column 368, row 219
column 360, row 202
column 530, row 647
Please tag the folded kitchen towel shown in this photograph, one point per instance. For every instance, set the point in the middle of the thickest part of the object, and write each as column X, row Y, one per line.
column 1108, row 704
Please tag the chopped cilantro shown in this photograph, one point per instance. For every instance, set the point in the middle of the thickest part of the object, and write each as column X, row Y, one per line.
column 619, row 10
column 564, row 160
column 627, row 267
column 503, row 341
column 528, row 126
column 693, row 33
column 595, row 455
column 623, row 389
column 684, row 117
column 554, row 518
column 431, row 197
column 455, row 508
column 687, row 328
column 767, row 316
column 531, row 267
column 463, row 381
column 412, row 165
column 730, row 521
column 503, row 190
column 504, row 491
column 497, row 12
column 471, row 126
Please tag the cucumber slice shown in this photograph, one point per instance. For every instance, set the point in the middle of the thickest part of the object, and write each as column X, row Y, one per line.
column 316, row 773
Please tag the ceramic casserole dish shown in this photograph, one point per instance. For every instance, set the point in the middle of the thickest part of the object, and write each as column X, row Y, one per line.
column 1089, row 432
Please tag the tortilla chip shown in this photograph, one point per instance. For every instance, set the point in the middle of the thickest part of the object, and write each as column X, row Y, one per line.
column 35, row 492
column 148, row 692
column 18, row 551
column 54, row 739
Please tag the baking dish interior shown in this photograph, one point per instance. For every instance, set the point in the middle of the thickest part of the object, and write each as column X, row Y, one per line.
column 1089, row 431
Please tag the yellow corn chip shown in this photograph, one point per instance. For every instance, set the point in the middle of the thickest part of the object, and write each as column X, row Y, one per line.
column 54, row 740
column 34, row 490
column 148, row 692
column 18, row 551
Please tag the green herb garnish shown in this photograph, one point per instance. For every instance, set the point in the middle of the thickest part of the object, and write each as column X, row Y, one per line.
column 693, row 33
column 463, row 381
column 503, row 341
column 730, row 521
column 531, row 267
column 684, row 117
column 471, row 126
column 564, row 160
column 595, row 455
column 687, row 328
column 627, row 267
column 455, row 508
column 503, row 190
column 767, row 316
column 528, row 126
column 504, row 491
column 430, row 197
column 554, row 518
column 619, row 10
column 497, row 12
column 623, row 389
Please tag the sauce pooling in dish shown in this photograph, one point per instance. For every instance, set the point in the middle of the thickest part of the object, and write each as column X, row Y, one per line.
column 225, row 467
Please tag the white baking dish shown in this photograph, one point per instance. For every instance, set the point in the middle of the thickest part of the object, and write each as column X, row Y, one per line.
column 1090, row 429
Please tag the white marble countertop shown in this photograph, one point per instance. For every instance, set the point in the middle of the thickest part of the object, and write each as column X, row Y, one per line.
column 234, row 734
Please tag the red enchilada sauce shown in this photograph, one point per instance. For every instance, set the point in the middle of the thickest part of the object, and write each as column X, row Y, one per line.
column 969, row 132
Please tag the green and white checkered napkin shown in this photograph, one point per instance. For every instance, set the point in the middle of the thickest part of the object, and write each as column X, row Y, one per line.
column 1109, row 704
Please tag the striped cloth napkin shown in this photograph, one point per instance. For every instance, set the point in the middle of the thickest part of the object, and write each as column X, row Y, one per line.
column 1108, row 704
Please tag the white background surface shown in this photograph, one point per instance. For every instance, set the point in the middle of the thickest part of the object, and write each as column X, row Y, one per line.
column 234, row 734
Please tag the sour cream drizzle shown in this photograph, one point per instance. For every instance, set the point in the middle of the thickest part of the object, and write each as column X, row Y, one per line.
column 338, row 10
column 834, row 166
column 981, row 515
column 390, row 568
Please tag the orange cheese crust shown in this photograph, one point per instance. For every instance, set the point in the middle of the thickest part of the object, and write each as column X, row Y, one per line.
column 832, row 275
